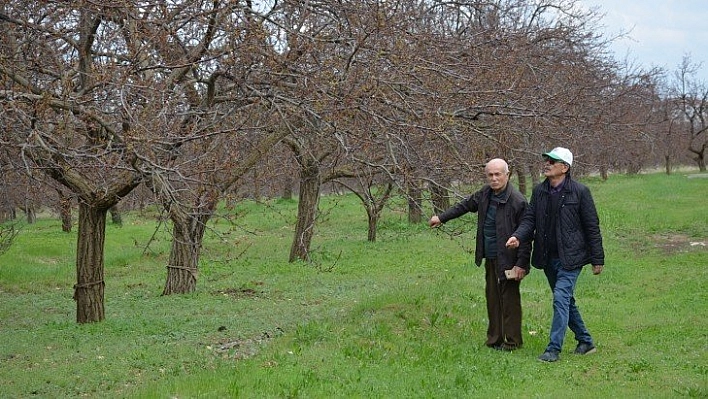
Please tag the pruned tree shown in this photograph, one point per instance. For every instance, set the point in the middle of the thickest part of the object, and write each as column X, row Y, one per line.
column 103, row 98
column 690, row 98
column 191, row 199
column 374, row 194
column 213, row 62
column 322, row 45
column 61, row 110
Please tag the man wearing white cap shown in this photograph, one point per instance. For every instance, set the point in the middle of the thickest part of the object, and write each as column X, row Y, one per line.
column 562, row 221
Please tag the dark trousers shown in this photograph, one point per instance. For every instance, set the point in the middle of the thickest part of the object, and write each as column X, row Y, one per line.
column 503, row 308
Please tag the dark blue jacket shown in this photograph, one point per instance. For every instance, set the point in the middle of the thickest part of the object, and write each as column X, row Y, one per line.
column 577, row 226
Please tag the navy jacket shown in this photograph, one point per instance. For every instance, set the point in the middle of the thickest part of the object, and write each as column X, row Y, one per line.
column 577, row 226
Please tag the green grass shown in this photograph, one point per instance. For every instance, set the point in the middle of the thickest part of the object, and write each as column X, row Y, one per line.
column 400, row 318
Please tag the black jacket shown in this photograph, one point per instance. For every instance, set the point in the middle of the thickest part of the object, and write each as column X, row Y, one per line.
column 509, row 213
column 577, row 226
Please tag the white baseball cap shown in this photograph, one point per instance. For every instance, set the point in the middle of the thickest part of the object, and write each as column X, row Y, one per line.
column 560, row 154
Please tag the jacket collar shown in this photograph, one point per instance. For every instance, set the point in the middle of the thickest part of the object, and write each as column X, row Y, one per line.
column 565, row 185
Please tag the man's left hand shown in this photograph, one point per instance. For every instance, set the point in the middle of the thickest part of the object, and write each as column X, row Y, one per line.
column 597, row 269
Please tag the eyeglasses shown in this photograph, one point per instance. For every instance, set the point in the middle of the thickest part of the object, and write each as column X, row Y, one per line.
column 553, row 161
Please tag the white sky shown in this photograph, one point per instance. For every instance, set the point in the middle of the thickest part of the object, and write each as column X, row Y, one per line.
column 661, row 32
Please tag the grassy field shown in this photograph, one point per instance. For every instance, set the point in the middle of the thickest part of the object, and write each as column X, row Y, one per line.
column 400, row 318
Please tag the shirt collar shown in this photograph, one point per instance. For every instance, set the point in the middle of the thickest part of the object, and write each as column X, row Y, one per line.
column 503, row 195
column 558, row 188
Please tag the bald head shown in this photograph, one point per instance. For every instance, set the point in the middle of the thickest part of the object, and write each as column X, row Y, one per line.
column 497, row 163
column 497, row 173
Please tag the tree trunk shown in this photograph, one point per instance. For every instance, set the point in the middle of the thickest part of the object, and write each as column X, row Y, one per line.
column 701, row 160
column 534, row 175
column 415, row 207
column 65, row 211
column 31, row 214
column 256, row 185
column 522, row 180
column 287, row 188
column 667, row 164
column 116, row 217
column 183, row 267
column 633, row 168
column 89, row 288
column 603, row 172
column 439, row 198
column 373, row 222
column 306, row 212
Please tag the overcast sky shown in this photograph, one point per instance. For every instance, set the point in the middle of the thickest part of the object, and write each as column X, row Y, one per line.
column 661, row 31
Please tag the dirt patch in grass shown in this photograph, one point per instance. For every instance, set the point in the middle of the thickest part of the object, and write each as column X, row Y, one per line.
column 244, row 348
column 672, row 243
column 241, row 292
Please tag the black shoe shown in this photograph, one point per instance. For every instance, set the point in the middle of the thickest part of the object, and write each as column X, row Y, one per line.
column 584, row 349
column 549, row 356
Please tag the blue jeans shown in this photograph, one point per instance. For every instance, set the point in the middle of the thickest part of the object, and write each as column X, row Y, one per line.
column 565, row 313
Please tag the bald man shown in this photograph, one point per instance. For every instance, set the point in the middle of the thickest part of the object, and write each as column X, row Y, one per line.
column 500, row 207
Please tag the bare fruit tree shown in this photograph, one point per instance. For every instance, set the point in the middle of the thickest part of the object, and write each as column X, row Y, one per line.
column 62, row 91
column 690, row 98
column 104, row 98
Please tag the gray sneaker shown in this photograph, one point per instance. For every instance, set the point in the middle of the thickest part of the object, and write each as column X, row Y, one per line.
column 549, row 356
column 584, row 349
